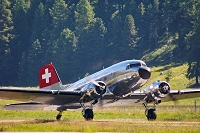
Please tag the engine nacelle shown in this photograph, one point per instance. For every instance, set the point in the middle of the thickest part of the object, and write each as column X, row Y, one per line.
column 93, row 91
column 157, row 91
column 101, row 87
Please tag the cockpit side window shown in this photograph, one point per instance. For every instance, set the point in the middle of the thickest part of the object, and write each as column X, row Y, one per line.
column 143, row 64
column 128, row 66
column 132, row 65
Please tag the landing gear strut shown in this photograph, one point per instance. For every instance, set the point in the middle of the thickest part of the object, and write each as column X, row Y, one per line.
column 58, row 117
column 87, row 112
column 150, row 113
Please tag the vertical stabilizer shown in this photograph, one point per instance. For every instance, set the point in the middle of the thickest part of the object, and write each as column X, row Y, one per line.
column 49, row 78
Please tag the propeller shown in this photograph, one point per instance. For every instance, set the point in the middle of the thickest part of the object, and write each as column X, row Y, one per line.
column 101, row 100
column 100, row 90
column 172, row 98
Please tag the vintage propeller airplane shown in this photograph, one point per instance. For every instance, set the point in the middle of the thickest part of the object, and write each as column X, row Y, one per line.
column 114, row 84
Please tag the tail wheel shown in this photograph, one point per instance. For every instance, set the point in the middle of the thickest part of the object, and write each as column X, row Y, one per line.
column 151, row 114
column 88, row 114
column 58, row 117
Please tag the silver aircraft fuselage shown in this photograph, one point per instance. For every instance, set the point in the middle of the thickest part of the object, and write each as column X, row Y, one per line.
column 120, row 78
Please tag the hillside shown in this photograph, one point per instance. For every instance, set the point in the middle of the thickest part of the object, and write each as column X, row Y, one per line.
column 166, row 65
column 83, row 36
column 173, row 74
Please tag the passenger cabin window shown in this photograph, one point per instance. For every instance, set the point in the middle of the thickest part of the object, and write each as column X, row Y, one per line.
column 132, row 65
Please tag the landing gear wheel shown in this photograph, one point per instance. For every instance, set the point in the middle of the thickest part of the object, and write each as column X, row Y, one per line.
column 88, row 114
column 58, row 117
column 151, row 114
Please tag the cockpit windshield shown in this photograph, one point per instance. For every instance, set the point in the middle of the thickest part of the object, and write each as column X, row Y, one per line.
column 135, row 65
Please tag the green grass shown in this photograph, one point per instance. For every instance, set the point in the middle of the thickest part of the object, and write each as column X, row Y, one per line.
column 179, row 117
column 115, row 119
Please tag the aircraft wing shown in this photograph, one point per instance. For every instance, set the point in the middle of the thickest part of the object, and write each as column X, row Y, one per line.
column 140, row 96
column 173, row 95
column 182, row 94
column 57, row 97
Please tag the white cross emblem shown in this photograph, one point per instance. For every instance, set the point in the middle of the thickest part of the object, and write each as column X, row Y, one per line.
column 47, row 75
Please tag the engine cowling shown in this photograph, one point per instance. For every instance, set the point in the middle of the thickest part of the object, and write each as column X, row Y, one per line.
column 157, row 91
column 100, row 87
column 93, row 91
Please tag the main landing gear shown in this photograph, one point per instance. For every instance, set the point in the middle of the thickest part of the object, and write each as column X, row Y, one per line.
column 87, row 112
column 150, row 113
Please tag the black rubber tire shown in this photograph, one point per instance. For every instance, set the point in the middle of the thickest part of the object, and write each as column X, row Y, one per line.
column 88, row 114
column 151, row 115
column 58, row 117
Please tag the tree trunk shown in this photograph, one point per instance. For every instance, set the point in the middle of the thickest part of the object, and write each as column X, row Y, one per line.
column 197, row 73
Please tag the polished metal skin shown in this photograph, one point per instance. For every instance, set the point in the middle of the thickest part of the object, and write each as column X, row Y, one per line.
column 157, row 91
column 119, row 79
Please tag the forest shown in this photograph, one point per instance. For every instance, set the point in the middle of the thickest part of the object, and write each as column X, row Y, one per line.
column 83, row 36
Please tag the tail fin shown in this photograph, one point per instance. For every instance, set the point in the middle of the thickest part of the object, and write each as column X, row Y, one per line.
column 49, row 78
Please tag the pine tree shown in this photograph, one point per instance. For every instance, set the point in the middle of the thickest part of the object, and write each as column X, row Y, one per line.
column 142, row 24
column 92, row 42
column 102, row 11
column 130, row 8
column 130, row 37
column 114, row 34
column 193, row 41
column 34, row 56
column 38, row 26
column 84, row 16
column 59, row 17
column 84, row 23
column 23, row 78
column 22, row 32
column 64, row 50
column 59, row 14
column 21, row 25
column 35, row 60
column 6, row 27
column 152, row 17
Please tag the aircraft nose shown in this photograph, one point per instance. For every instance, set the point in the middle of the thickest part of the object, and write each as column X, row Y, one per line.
column 144, row 73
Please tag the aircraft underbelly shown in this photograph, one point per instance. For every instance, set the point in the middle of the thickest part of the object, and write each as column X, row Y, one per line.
column 57, row 99
column 127, row 85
